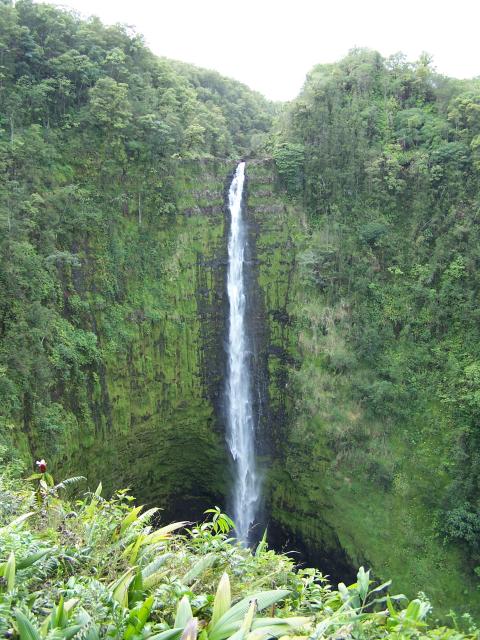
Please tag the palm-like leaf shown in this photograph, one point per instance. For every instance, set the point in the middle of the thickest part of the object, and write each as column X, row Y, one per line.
column 231, row 620
column 26, row 630
column 223, row 600
column 199, row 567
column 184, row 613
column 68, row 482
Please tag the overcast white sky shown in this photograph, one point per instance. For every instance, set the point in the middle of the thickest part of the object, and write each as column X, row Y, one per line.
column 270, row 45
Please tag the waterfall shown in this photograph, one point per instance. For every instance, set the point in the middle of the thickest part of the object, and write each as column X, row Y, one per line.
column 240, row 418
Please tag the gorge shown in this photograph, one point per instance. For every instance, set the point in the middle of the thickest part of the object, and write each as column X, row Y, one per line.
column 127, row 354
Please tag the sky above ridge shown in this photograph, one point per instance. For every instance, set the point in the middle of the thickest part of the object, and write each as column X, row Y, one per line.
column 271, row 45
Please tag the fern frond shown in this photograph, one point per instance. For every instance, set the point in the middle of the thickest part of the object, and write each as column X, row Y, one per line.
column 146, row 515
column 69, row 481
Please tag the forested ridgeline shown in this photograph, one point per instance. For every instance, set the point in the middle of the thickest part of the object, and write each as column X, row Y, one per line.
column 385, row 157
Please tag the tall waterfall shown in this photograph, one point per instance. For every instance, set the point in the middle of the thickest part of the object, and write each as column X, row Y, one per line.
column 240, row 419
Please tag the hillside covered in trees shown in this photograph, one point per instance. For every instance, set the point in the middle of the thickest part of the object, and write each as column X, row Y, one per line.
column 363, row 205
column 384, row 156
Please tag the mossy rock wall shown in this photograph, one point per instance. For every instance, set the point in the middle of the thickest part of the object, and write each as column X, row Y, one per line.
column 147, row 416
column 150, row 415
column 338, row 501
column 274, row 230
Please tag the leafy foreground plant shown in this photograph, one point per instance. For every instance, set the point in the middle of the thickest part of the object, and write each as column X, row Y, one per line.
column 96, row 568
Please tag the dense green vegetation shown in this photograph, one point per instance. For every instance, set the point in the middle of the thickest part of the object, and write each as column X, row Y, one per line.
column 113, row 166
column 384, row 156
column 95, row 568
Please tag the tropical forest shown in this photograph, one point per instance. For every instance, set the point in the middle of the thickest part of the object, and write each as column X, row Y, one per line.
column 239, row 345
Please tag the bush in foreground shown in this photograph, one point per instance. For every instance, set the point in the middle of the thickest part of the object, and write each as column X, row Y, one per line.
column 94, row 568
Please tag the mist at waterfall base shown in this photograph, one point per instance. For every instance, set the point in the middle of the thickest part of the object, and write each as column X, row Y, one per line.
column 238, row 391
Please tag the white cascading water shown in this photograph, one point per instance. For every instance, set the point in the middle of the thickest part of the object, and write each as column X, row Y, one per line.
column 240, row 419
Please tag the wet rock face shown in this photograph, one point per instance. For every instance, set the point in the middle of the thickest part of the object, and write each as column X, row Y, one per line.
column 165, row 399
column 151, row 417
column 275, row 236
column 322, row 551
column 272, row 231
column 269, row 269
column 150, row 420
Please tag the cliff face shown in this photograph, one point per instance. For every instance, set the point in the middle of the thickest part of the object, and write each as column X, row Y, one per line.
column 158, row 417
column 321, row 499
column 274, row 230
column 147, row 416
column 150, row 415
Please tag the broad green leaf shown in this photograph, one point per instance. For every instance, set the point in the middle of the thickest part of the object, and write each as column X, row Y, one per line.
column 153, row 566
column 120, row 587
column 129, row 519
column 49, row 479
column 131, row 552
column 136, row 590
column 26, row 630
column 413, row 610
column 163, row 533
column 293, row 622
column 322, row 627
column 67, row 607
column 70, row 632
column 27, row 561
column 229, row 622
column 17, row 522
column 184, row 613
column 151, row 581
column 144, row 611
column 274, row 631
column 381, row 587
column 223, row 600
column 280, row 626
column 169, row 634
column 199, row 567
column 237, row 635
column 261, row 634
column 59, row 617
column 262, row 545
column 390, row 607
column 383, row 599
column 9, row 572
column 138, row 618
column 247, row 622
